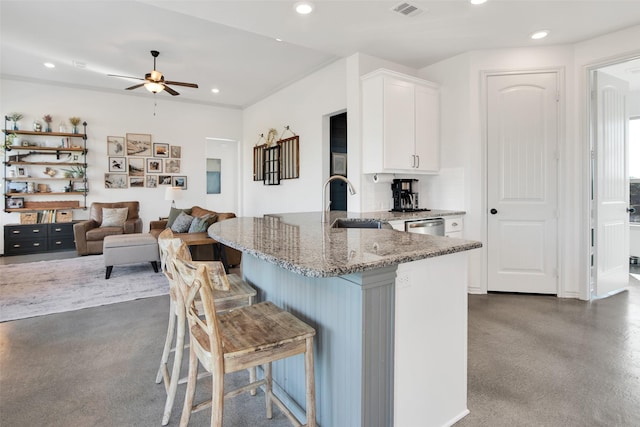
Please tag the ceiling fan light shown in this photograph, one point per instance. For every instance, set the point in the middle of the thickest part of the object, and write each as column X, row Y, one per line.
column 303, row 8
column 153, row 87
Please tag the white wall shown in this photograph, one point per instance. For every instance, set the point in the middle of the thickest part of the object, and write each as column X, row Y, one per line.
column 305, row 107
column 108, row 113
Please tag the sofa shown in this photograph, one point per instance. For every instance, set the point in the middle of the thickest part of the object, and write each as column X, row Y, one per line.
column 89, row 234
column 200, row 252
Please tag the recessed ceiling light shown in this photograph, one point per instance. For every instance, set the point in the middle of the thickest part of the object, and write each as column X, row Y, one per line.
column 303, row 8
column 278, row 40
column 215, row 90
column 50, row 65
column 539, row 34
column 477, row 1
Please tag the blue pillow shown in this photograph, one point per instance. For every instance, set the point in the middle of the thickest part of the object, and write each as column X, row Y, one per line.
column 182, row 223
column 199, row 225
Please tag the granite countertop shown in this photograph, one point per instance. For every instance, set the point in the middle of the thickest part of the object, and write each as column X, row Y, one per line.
column 299, row 242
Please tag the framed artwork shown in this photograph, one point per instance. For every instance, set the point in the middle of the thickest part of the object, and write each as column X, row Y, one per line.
column 160, row 150
column 151, row 181
column 171, row 166
column 154, row 165
column 136, row 181
column 80, row 186
column 21, row 171
column 136, row 167
column 180, row 181
column 115, row 145
column 115, row 180
column 118, row 164
column 176, row 151
column 339, row 164
column 139, row 144
column 213, row 175
column 164, row 180
column 15, row 202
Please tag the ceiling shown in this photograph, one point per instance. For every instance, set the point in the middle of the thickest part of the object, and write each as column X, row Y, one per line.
column 231, row 45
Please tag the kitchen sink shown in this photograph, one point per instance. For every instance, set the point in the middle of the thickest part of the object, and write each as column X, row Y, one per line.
column 356, row 223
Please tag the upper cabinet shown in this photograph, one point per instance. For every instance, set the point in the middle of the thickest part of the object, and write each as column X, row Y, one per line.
column 400, row 123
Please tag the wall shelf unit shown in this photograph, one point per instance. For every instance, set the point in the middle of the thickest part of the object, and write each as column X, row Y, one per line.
column 34, row 169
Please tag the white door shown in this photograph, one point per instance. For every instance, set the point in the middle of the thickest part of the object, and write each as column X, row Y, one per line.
column 522, row 138
column 399, row 124
column 612, row 175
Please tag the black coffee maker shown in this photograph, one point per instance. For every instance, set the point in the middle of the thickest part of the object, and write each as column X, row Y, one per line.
column 405, row 195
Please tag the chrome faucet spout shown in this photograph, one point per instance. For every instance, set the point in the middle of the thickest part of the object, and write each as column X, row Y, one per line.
column 325, row 206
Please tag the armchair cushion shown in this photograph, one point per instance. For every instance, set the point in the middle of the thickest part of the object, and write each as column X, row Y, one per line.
column 89, row 234
column 114, row 217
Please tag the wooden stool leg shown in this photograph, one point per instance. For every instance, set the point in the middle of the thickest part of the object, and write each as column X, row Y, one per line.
column 217, row 397
column 167, row 343
column 191, row 388
column 267, row 390
column 175, row 372
column 311, row 383
column 252, row 378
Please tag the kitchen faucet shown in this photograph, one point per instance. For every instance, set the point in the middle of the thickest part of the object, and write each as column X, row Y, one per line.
column 325, row 206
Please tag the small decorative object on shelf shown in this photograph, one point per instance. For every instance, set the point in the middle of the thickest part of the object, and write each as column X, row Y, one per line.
column 47, row 119
column 62, row 128
column 75, row 121
column 37, row 126
column 15, row 117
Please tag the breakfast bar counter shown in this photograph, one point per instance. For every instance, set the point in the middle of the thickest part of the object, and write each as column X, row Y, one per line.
column 388, row 348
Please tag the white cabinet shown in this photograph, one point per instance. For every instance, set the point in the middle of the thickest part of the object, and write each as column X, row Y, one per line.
column 400, row 123
column 453, row 227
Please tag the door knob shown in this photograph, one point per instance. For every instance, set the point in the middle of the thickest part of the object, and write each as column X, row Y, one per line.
column 631, row 210
column 493, row 211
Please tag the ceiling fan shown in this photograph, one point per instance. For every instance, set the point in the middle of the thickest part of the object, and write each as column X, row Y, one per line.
column 154, row 81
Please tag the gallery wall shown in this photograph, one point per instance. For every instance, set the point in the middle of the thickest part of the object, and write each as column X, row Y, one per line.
column 113, row 114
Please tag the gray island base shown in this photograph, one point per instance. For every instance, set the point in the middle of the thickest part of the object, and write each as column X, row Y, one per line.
column 390, row 348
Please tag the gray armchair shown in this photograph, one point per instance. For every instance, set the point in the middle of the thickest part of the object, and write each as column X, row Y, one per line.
column 89, row 235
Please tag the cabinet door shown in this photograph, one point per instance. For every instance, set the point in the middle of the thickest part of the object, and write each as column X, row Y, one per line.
column 399, row 124
column 427, row 129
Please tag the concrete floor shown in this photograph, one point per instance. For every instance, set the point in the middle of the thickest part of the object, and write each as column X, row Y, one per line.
column 533, row 361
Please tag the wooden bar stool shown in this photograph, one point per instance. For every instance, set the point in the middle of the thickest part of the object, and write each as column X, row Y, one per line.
column 233, row 292
column 239, row 339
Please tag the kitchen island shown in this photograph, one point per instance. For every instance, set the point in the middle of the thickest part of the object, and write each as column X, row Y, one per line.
column 383, row 356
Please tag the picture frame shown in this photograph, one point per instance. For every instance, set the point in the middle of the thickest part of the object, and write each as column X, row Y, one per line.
column 139, row 144
column 16, row 187
column 117, row 164
column 115, row 180
column 80, row 186
column 339, row 164
column 176, row 151
column 115, row 145
column 21, row 171
column 136, row 181
column 179, row 181
column 160, row 149
column 171, row 165
column 164, row 180
column 136, row 166
column 15, row 203
column 151, row 181
column 154, row 165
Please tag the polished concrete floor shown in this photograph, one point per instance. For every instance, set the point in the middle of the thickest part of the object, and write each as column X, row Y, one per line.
column 533, row 361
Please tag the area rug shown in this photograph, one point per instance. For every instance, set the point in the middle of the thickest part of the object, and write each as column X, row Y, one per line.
column 46, row 287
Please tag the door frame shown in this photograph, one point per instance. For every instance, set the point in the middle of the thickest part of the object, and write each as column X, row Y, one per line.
column 560, row 190
column 589, row 156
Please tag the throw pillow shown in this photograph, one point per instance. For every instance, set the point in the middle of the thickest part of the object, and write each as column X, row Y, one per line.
column 202, row 224
column 182, row 223
column 173, row 214
column 114, row 217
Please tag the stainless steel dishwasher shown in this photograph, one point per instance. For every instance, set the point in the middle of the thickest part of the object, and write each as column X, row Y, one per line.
column 433, row 226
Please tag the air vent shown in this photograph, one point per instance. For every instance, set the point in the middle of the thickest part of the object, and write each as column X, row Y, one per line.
column 407, row 9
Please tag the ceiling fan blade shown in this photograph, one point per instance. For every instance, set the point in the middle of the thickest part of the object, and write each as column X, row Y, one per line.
column 171, row 91
column 193, row 85
column 124, row 77
column 135, row 86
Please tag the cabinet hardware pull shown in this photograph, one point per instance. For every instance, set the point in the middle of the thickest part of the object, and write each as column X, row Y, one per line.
column 17, row 245
column 58, row 243
column 36, row 244
column 35, row 231
column 418, row 157
column 16, row 231
column 454, row 224
column 413, row 160
column 58, row 229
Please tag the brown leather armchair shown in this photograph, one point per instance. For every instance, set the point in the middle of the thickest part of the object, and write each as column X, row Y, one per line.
column 89, row 235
